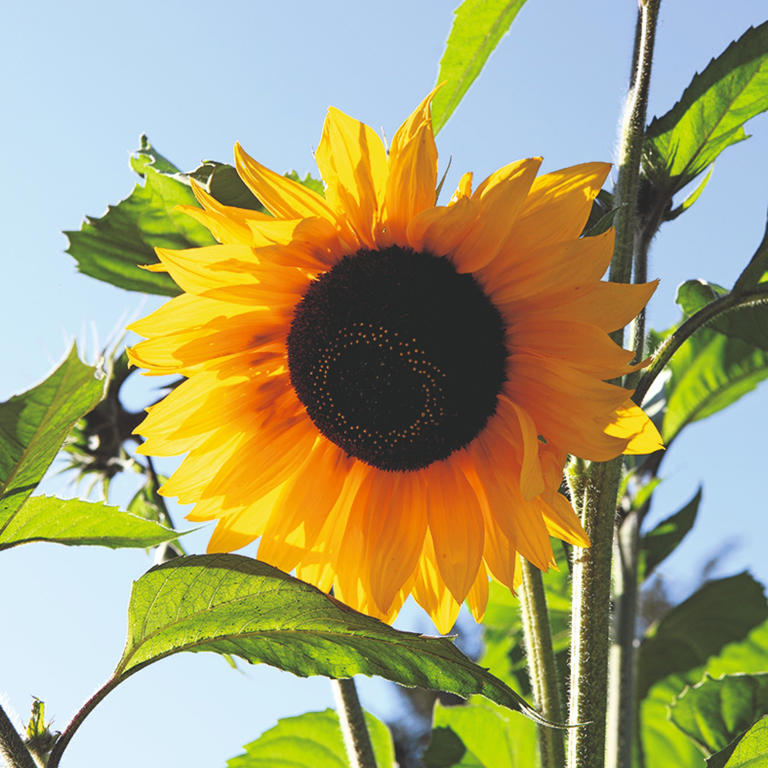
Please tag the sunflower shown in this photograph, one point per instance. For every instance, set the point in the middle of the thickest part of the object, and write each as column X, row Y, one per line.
column 384, row 390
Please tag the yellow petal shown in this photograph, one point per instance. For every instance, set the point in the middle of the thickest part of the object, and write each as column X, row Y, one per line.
column 631, row 421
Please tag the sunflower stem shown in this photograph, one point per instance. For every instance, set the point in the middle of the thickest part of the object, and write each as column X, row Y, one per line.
column 541, row 665
column 356, row 738
column 589, row 618
column 12, row 747
column 708, row 313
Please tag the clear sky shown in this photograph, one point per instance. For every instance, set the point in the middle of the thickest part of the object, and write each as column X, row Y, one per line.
column 84, row 79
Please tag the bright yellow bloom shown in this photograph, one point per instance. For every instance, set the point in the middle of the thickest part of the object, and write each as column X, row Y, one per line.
column 385, row 390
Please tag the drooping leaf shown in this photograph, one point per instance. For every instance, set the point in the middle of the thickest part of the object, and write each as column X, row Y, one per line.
column 33, row 426
column 748, row 323
column 312, row 740
column 659, row 543
column 711, row 113
column 74, row 522
column 721, row 612
column 447, row 750
column 708, row 373
column 757, row 270
column 752, row 750
column 714, row 713
column 478, row 26
column 490, row 734
column 111, row 247
column 240, row 606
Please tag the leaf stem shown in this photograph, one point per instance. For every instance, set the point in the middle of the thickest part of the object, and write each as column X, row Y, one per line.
column 77, row 720
column 12, row 747
column 707, row 314
column 541, row 664
column 356, row 738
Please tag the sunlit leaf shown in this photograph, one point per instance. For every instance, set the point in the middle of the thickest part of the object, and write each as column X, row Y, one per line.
column 714, row 713
column 711, row 113
column 33, row 426
column 721, row 612
column 447, row 750
column 73, row 522
column 111, row 247
column 240, row 606
column 748, row 323
column 757, row 270
column 312, row 740
column 478, row 26
column 708, row 373
column 752, row 750
column 491, row 734
column 662, row 540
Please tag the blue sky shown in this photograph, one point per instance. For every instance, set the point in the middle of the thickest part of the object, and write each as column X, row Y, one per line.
column 85, row 79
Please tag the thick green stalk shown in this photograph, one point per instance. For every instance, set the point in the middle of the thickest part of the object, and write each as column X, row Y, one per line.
column 592, row 567
column 356, row 738
column 12, row 747
column 541, row 665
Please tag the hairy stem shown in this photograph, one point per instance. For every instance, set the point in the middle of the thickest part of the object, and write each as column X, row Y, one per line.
column 707, row 314
column 353, row 727
column 541, row 665
column 12, row 747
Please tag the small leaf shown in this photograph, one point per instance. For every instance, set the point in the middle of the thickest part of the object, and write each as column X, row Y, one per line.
column 716, row 712
column 752, row 750
column 223, row 182
column 721, row 612
column 757, row 270
column 33, row 426
column 659, row 543
column 477, row 28
column 237, row 605
column 708, row 373
column 75, row 522
column 491, row 734
column 711, row 112
column 749, row 323
column 110, row 248
column 692, row 198
column 312, row 740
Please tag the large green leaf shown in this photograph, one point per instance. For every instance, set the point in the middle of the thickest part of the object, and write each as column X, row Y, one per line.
column 110, row 248
column 721, row 612
column 752, row 750
column 756, row 270
column 749, row 323
column 716, row 712
column 72, row 521
column 447, row 750
column 312, row 740
column 477, row 28
column 708, row 373
column 236, row 605
column 490, row 734
column 661, row 541
column 711, row 112
column 33, row 426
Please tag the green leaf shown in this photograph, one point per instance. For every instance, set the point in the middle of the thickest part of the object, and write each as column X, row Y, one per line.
column 477, row 28
column 491, row 734
column 708, row 373
column 33, row 426
column 714, row 713
column 748, row 323
column 240, row 606
column 312, row 740
column 711, row 112
column 721, row 612
column 659, row 543
column 110, row 248
column 74, row 522
column 223, row 182
column 692, row 198
column 447, row 750
column 752, row 750
column 757, row 270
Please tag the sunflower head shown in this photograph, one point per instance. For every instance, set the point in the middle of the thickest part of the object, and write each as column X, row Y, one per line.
column 384, row 390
